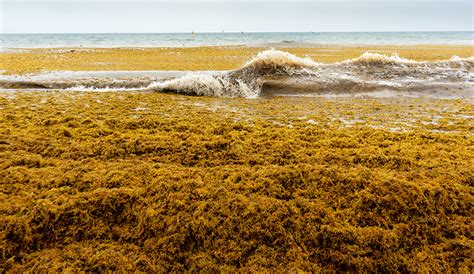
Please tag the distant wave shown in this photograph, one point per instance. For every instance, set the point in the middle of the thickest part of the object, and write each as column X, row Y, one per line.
column 277, row 72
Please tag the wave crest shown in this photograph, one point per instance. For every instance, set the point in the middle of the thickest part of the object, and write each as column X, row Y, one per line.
column 379, row 59
column 279, row 60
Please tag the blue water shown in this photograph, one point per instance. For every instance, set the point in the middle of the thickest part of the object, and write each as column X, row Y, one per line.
column 210, row 39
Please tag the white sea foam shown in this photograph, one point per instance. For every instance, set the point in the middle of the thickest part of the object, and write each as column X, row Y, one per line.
column 197, row 84
column 395, row 59
column 104, row 89
column 203, row 84
column 276, row 59
column 376, row 58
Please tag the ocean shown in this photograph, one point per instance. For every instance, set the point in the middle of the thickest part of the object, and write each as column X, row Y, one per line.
column 9, row 41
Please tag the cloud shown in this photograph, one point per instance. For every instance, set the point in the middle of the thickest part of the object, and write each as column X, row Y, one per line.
column 35, row 16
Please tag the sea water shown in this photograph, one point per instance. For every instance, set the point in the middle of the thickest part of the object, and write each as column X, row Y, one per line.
column 11, row 41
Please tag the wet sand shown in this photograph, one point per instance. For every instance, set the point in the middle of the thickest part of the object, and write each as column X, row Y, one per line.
column 198, row 58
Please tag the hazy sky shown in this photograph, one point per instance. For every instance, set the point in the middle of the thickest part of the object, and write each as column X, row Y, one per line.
column 50, row 16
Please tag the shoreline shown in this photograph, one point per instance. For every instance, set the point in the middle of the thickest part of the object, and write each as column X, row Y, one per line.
column 34, row 60
column 281, row 44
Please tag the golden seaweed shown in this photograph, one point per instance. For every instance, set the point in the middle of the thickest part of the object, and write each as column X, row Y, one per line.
column 198, row 58
column 160, row 182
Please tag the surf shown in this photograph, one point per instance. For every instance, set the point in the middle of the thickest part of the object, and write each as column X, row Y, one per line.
column 276, row 72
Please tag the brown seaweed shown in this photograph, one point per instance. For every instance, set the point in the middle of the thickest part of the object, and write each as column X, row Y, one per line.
column 158, row 182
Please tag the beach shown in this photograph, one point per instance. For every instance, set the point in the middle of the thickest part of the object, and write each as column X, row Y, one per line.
column 302, row 158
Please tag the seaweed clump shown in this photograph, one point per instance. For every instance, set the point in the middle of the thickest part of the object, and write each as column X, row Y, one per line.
column 159, row 182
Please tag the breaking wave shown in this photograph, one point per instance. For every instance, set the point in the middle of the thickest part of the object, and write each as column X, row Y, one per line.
column 245, row 82
column 275, row 72
column 278, row 72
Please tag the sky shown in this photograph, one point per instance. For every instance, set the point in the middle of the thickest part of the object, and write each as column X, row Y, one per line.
column 146, row 16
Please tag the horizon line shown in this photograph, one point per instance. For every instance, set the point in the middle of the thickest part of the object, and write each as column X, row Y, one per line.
column 242, row 32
